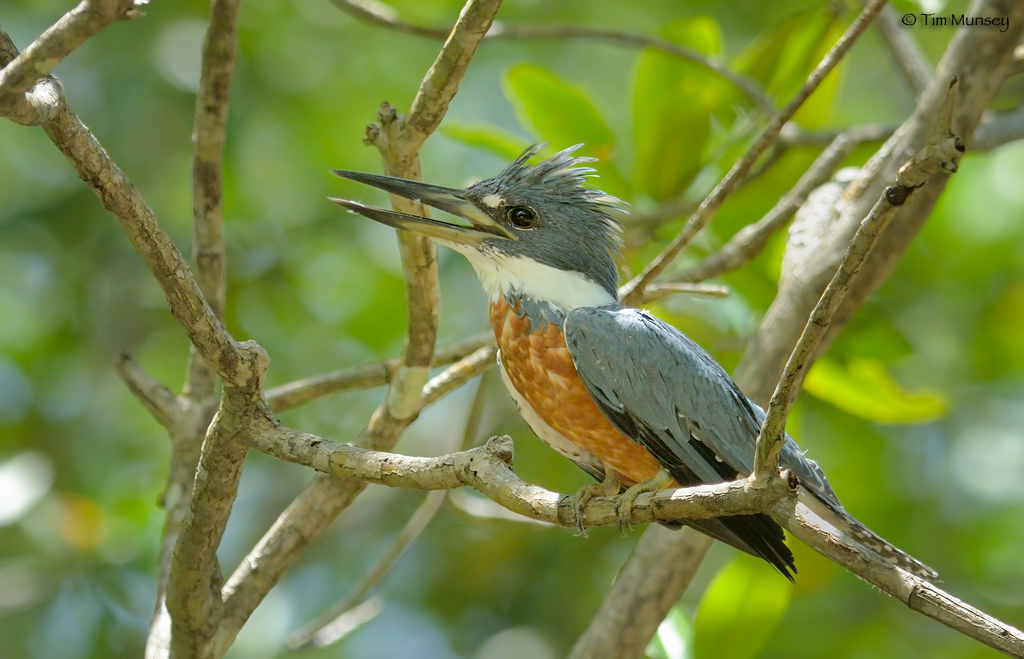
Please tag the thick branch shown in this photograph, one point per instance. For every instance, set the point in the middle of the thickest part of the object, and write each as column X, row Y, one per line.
column 632, row 292
column 193, row 590
column 654, row 578
column 942, row 154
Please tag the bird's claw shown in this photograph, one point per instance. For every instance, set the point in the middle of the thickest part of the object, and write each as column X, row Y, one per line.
column 625, row 502
column 608, row 487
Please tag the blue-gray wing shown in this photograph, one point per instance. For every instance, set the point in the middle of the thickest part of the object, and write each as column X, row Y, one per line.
column 662, row 390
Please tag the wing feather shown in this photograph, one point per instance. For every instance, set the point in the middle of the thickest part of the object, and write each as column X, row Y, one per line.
column 662, row 390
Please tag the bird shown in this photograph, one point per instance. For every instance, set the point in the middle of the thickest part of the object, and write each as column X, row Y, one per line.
column 626, row 396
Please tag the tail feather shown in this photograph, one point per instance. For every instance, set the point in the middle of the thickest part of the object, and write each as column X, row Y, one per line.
column 851, row 528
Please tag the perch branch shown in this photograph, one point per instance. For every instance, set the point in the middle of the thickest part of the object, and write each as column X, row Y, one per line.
column 488, row 469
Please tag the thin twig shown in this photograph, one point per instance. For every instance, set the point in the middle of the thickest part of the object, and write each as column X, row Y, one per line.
column 220, row 51
column 153, row 395
column 293, row 394
column 632, row 292
column 752, row 239
column 794, row 136
column 908, row 56
column 459, row 373
column 942, row 153
column 386, row 16
column 660, row 291
column 320, row 632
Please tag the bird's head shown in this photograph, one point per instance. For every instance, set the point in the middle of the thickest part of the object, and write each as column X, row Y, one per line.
column 535, row 230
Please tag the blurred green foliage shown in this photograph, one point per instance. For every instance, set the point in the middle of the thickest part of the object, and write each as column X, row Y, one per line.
column 937, row 350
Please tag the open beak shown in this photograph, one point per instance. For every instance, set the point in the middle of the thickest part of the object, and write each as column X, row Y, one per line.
column 448, row 200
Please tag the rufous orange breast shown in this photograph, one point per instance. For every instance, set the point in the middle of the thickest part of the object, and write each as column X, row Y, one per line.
column 538, row 365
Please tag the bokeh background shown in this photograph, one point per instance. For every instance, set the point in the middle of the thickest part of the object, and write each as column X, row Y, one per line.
column 917, row 413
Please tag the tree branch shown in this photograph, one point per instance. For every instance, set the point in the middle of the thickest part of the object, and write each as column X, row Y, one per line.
column 195, row 594
column 194, row 588
column 916, row 593
column 488, row 469
column 654, row 578
column 632, row 292
column 981, row 62
column 941, row 154
column 385, row 16
column 220, row 51
column 237, row 363
column 660, row 291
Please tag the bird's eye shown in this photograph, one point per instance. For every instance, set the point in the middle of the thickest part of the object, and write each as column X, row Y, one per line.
column 522, row 217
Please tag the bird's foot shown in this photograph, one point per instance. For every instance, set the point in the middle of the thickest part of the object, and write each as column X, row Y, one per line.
column 624, row 504
column 610, row 486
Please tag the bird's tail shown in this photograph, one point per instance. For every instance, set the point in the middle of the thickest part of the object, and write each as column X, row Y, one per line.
column 848, row 526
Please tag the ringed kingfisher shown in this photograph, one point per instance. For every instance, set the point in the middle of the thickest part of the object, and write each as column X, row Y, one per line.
column 624, row 395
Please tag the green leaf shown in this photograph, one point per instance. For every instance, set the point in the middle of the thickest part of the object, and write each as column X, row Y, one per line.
column 864, row 388
column 740, row 609
column 674, row 639
column 673, row 104
column 487, row 138
column 563, row 115
column 559, row 112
